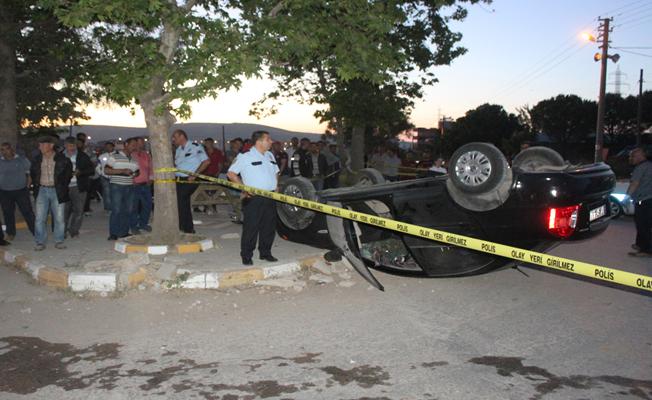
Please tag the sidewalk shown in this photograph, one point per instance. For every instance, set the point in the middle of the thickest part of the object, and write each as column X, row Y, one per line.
column 90, row 263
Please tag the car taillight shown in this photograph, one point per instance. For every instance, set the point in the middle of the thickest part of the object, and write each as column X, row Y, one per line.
column 562, row 220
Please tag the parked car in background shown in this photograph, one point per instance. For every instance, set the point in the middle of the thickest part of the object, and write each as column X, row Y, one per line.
column 619, row 201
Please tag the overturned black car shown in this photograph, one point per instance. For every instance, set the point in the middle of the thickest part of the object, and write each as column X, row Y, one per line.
column 534, row 204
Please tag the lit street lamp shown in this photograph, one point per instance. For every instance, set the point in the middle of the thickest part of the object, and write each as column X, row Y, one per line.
column 602, row 57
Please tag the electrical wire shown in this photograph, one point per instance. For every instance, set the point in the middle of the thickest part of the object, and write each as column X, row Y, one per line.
column 634, row 11
column 625, row 6
column 561, row 53
column 638, row 54
column 633, row 20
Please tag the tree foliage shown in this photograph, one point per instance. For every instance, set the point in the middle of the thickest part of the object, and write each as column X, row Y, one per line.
column 564, row 118
column 44, row 70
column 358, row 58
column 486, row 123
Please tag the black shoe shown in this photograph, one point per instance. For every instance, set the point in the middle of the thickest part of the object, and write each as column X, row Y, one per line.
column 269, row 258
column 247, row 261
column 4, row 243
column 113, row 237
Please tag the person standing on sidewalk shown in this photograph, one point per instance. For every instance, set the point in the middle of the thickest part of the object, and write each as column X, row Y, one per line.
column 258, row 169
column 14, row 184
column 51, row 173
column 188, row 157
column 640, row 189
column 82, row 169
column 142, row 206
column 109, row 149
column 121, row 169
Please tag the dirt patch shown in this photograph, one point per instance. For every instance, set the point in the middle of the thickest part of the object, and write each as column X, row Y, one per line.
column 365, row 376
column 28, row 364
column 548, row 382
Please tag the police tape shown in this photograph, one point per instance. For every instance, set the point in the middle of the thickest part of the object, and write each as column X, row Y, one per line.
column 597, row 272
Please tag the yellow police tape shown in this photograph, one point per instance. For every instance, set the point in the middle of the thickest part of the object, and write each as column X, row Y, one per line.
column 637, row 281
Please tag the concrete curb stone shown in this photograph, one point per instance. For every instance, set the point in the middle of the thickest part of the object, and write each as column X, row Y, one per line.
column 157, row 250
column 78, row 281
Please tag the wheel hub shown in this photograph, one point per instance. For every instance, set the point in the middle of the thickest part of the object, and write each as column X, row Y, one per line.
column 473, row 168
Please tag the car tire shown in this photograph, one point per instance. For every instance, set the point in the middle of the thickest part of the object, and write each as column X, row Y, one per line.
column 616, row 208
column 478, row 168
column 294, row 217
column 368, row 177
column 538, row 158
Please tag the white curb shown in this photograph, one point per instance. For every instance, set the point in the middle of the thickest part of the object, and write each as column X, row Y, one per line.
column 206, row 244
column 10, row 257
column 157, row 250
column 120, row 247
column 196, row 281
column 88, row 281
column 281, row 270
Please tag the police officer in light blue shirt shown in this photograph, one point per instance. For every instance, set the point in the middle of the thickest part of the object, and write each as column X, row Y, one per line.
column 188, row 157
column 257, row 168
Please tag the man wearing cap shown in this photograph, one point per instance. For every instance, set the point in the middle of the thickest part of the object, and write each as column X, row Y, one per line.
column 188, row 157
column 51, row 173
column 258, row 169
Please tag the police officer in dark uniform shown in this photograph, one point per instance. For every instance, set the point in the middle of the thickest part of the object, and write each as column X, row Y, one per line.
column 188, row 157
column 258, row 168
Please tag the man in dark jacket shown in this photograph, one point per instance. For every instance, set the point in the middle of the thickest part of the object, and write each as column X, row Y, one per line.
column 82, row 168
column 313, row 166
column 51, row 173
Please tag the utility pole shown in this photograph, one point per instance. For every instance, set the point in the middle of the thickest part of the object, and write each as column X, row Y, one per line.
column 599, row 134
column 639, row 111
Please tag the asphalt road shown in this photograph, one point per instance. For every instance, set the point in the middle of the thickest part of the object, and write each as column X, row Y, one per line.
column 502, row 335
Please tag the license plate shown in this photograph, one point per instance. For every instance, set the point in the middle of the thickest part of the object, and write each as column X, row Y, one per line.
column 597, row 213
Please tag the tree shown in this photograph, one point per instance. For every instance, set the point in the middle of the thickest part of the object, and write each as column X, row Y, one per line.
column 486, row 123
column 381, row 111
column 43, row 68
column 565, row 118
column 353, row 47
column 161, row 55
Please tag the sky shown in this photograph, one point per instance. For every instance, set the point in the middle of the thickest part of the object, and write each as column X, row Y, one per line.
column 519, row 52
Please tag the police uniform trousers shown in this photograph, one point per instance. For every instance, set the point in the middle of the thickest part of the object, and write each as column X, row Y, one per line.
column 184, row 193
column 259, row 223
column 643, row 220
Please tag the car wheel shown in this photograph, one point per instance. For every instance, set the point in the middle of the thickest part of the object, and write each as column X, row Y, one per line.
column 368, row 177
column 537, row 158
column 478, row 168
column 616, row 208
column 295, row 217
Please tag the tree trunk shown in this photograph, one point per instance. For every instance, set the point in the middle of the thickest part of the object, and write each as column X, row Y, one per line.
column 8, row 117
column 357, row 148
column 165, row 226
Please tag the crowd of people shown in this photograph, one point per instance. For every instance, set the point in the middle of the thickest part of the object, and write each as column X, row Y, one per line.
column 64, row 180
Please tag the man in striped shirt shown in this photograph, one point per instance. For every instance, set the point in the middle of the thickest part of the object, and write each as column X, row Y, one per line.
column 121, row 170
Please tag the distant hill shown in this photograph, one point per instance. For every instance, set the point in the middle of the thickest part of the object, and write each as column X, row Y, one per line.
column 195, row 131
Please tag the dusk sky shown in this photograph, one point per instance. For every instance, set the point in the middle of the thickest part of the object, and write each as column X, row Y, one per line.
column 519, row 52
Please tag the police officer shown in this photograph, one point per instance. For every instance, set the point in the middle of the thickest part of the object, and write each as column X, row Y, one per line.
column 188, row 157
column 258, row 168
